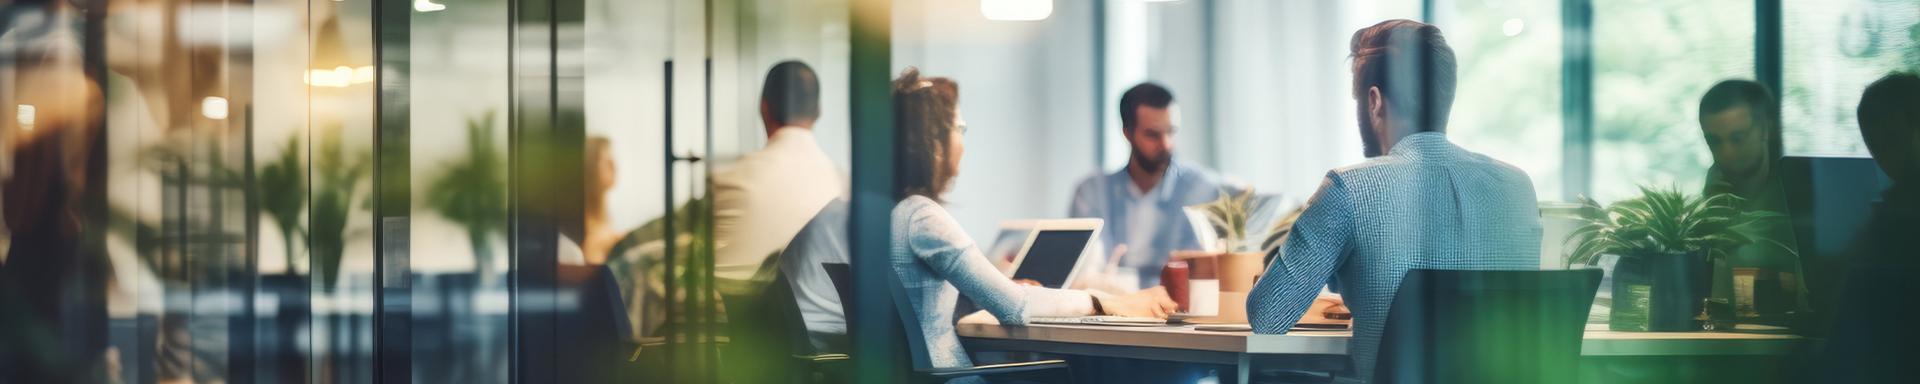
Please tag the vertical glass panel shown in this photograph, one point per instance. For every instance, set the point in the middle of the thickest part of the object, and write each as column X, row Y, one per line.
column 1507, row 104
column 341, row 121
column 781, row 142
column 1652, row 62
column 53, row 274
column 282, row 155
column 1832, row 51
column 628, row 59
column 458, row 84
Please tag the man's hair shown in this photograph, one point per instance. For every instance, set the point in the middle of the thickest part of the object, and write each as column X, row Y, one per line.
column 1145, row 94
column 1888, row 121
column 924, row 110
column 1760, row 104
column 792, row 93
column 1413, row 67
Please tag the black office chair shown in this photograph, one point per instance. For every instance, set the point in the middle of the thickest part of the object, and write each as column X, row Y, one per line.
column 768, row 339
column 1042, row 371
column 594, row 337
column 1486, row 327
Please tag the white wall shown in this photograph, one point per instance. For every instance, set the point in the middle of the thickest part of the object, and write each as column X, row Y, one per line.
column 1026, row 91
column 1282, row 77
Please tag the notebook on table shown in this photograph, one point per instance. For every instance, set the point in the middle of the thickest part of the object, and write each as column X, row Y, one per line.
column 1119, row 321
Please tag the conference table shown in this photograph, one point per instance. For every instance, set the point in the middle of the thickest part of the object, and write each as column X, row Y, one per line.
column 1324, row 351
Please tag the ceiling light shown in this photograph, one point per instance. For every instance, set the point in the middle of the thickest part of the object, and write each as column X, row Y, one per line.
column 428, row 6
column 25, row 115
column 1016, row 10
column 1513, row 27
column 214, row 107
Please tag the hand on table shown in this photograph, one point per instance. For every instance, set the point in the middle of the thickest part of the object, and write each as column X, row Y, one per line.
column 1152, row 302
column 1327, row 308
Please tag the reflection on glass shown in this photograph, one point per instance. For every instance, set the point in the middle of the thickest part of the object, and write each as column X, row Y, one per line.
column 458, row 84
column 1833, row 49
column 1652, row 61
column 1509, row 91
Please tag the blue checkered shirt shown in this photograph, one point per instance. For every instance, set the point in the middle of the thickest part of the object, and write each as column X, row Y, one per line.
column 1426, row 204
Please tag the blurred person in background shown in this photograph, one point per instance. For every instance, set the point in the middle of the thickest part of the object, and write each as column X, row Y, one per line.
column 1874, row 334
column 1144, row 202
column 52, row 283
column 761, row 201
column 1740, row 120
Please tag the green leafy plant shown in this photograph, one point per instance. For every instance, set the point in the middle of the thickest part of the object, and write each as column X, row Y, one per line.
column 282, row 190
column 336, row 193
column 1232, row 217
column 1665, row 222
column 473, row 190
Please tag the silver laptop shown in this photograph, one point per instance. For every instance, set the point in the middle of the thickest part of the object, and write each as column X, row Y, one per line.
column 1053, row 251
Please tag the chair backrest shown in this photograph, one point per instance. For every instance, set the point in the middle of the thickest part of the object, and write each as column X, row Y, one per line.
column 1449, row 326
column 822, row 240
column 597, row 332
column 909, row 325
column 764, row 329
column 842, row 276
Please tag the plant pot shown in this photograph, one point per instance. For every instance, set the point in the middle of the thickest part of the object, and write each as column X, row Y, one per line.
column 1659, row 292
column 1238, row 270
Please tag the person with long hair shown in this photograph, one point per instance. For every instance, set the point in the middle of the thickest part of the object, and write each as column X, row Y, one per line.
column 932, row 255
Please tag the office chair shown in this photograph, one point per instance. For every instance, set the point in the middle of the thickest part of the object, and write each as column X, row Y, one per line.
column 768, row 339
column 594, row 336
column 1448, row 326
column 1046, row 371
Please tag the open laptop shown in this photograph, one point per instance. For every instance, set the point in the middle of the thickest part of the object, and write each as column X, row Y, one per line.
column 1053, row 251
column 1006, row 244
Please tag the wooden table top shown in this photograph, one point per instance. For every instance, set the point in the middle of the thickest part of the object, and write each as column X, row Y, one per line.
column 1598, row 342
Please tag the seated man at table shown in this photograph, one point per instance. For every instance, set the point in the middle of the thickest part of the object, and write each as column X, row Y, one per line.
column 1143, row 203
column 1419, row 201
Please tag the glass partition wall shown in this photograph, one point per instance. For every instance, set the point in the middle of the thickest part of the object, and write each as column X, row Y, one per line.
column 290, row 191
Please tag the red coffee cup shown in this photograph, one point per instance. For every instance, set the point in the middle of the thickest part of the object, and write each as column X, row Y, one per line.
column 1174, row 278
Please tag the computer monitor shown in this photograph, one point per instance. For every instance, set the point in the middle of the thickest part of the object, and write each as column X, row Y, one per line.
column 1830, row 200
column 1053, row 251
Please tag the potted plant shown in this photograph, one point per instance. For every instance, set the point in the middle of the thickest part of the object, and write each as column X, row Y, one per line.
column 1668, row 244
column 337, row 179
column 472, row 191
column 1232, row 219
column 283, row 198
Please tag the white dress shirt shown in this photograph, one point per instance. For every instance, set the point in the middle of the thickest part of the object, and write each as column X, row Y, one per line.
column 762, row 200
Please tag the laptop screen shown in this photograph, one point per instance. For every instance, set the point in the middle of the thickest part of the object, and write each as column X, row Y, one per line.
column 1053, row 255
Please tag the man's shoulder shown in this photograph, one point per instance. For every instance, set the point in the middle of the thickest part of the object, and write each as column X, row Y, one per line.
column 1197, row 178
column 1371, row 166
column 777, row 160
column 1483, row 160
column 1096, row 182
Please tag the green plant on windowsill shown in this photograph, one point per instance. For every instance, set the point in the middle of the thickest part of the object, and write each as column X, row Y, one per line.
column 1669, row 246
column 1666, row 222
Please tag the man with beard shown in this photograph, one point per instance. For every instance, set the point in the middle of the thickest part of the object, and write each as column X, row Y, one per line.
column 1419, row 201
column 1142, row 203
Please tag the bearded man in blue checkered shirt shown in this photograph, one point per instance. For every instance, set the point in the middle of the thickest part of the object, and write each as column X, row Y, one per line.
column 1419, row 201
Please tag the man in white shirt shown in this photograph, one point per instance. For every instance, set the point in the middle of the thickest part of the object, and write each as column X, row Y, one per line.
column 762, row 200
